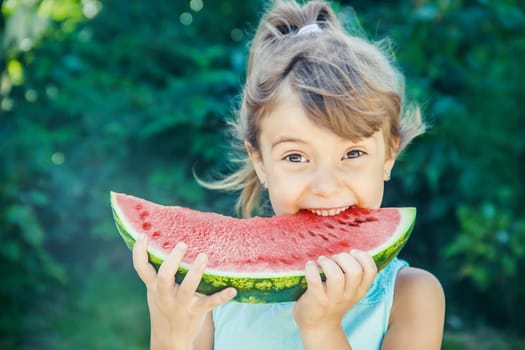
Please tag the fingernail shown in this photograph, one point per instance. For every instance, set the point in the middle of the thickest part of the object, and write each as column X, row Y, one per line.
column 232, row 292
column 181, row 245
column 321, row 258
column 200, row 259
column 310, row 263
column 141, row 237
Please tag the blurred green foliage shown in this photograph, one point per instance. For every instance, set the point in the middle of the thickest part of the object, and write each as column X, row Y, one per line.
column 132, row 96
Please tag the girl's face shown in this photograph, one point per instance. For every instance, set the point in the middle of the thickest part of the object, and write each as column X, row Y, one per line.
column 307, row 167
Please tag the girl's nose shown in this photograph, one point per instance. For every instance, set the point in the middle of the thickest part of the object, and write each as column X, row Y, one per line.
column 325, row 182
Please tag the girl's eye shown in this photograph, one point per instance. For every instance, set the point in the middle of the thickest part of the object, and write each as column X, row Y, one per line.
column 354, row 154
column 296, row 158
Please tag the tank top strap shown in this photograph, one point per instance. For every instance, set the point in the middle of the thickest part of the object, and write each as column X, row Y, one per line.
column 367, row 322
column 383, row 286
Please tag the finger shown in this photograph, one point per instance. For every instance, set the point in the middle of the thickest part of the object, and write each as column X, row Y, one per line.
column 369, row 269
column 141, row 264
column 313, row 281
column 352, row 271
column 210, row 302
column 335, row 278
column 168, row 269
column 192, row 279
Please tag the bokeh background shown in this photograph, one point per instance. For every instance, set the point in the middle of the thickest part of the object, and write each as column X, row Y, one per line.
column 133, row 96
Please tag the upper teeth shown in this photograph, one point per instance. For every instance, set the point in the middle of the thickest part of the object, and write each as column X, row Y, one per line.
column 328, row 212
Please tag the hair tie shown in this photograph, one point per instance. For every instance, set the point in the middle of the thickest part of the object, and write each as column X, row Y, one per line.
column 309, row 28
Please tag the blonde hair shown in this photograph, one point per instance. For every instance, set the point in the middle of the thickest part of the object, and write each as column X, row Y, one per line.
column 344, row 83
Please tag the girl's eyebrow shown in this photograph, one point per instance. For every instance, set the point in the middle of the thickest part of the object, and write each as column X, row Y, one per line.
column 284, row 139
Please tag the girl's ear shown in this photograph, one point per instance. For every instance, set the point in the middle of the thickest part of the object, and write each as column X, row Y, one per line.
column 391, row 159
column 387, row 169
column 257, row 162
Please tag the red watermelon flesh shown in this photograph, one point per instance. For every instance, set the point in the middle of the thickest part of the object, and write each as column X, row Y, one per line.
column 259, row 246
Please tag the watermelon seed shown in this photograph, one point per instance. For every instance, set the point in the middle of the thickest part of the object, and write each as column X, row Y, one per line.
column 166, row 245
column 355, row 223
column 146, row 225
column 284, row 261
column 331, row 234
column 324, row 237
column 155, row 235
column 371, row 218
column 329, row 225
column 312, row 234
column 360, row 220
column 138, row 207
column 344, row 232
column 143, row 215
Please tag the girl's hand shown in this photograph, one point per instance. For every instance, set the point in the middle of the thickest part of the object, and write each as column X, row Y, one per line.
column 177, row 312
column 320, row 309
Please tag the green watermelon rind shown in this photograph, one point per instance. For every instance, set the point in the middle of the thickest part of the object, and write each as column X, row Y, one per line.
column 272, row 289
column 384, row 254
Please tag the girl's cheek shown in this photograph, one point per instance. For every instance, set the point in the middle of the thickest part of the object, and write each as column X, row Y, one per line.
column 283, row 201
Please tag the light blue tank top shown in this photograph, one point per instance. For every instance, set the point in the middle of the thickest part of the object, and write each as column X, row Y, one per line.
column 240, row 326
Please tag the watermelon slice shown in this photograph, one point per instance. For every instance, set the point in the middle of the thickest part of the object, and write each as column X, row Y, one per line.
column 263, row 258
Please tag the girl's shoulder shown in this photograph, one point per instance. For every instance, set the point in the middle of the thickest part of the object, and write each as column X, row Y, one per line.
column 418, row 306
column 413, row 283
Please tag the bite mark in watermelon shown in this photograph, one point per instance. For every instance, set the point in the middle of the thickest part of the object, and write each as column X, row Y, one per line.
column 263, row 258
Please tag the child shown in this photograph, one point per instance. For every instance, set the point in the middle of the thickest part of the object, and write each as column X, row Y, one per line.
column 322, row 120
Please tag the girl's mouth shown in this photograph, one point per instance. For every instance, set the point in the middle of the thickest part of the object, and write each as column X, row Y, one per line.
column 328, row 212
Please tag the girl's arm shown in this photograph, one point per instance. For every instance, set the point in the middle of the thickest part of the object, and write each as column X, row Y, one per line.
column 204, row 340
column 418, row 312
